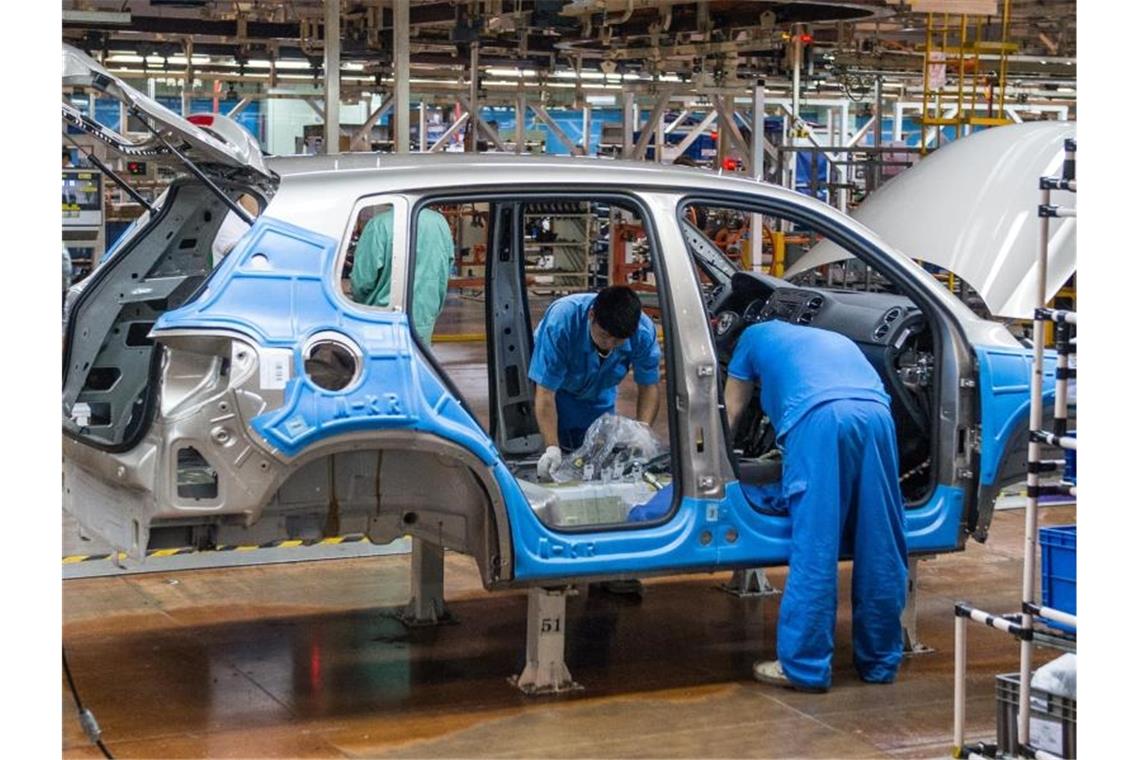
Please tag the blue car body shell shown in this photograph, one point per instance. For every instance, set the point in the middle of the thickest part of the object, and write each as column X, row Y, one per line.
column 274, row 290
column 1004, row 376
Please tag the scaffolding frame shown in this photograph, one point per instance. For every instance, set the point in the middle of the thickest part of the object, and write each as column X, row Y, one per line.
column 1023, row 626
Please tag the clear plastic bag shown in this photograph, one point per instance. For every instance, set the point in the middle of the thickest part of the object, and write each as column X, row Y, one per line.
column 615, row 448
column 1057, row 677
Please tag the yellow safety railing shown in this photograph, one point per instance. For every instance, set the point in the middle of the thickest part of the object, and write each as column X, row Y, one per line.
column 953, row 42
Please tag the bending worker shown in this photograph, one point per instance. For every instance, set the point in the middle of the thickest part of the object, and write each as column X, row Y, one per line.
column 371, row 275
column 840, row 483
column 583, row 347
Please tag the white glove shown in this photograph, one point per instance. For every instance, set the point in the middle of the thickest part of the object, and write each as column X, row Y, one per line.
column 549, row 462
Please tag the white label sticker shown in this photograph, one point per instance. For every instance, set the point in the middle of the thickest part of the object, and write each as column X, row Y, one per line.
column 274, row 367
column 1047, row 735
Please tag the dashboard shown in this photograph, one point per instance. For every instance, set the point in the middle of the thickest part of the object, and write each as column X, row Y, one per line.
column 873, row 320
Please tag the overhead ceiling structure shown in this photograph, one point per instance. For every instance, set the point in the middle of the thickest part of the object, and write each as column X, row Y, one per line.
column 596, row 44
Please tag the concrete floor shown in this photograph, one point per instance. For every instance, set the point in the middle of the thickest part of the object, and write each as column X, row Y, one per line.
column 305, row 659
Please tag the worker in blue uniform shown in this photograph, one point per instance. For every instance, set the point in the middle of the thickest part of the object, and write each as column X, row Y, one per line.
column 840, row 484
column 584, row 346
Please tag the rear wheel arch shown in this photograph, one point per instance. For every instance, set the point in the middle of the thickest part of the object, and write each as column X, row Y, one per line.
column 423, row 485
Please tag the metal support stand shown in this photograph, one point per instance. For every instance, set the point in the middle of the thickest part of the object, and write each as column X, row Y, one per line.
column 911, row 644
column 748, row 583
column 545, row 671
column 426, row 606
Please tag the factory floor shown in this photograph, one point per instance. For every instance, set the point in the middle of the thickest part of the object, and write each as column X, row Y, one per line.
column 306, row 659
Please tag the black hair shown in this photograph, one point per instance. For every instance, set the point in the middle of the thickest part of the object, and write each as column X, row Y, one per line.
column 617, row 310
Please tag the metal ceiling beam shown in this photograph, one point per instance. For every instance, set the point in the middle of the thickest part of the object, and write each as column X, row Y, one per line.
column 241, row 104
column 360, row 136
column 544, row 117
column 492, row 134
column 677, row 122
column 456, row 125
column 726, row 124
column 693, row 134
column 650, row 129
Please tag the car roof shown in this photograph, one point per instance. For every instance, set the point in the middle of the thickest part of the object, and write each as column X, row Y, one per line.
column 319, row 193
column 431, row 169
column 316, row 192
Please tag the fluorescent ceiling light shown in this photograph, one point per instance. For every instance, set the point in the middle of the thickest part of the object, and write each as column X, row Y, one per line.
column 96, row 17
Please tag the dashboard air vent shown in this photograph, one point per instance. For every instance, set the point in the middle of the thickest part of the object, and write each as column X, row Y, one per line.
column 881, row 331
column 892, row 315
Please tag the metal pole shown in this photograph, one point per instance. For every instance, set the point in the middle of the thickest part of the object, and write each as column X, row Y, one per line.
column 1036, row 412
column 520, row 122
column 188, row 82
column 756, row 160
column 798, row 54
column 841, row 200
column 628, row 123
column 401, row 74
column 959, row 684
column 586, row 130
column 472, row 140
column 332, row 77
column 659, row 136
column 756, row 167
column 423, row 128
column 878, row 160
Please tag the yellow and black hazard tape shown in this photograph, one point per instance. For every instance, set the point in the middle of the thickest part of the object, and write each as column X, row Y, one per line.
column 290, row 543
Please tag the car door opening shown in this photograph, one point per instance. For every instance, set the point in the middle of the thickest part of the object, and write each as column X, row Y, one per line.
column 888, row 327
column 515, row 259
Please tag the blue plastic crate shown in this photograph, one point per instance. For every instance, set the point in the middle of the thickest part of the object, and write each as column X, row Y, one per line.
column 1059, row 569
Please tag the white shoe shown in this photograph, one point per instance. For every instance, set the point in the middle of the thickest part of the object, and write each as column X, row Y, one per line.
column 772, row 673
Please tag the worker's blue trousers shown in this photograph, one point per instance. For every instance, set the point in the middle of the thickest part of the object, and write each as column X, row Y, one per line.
column 841, row 484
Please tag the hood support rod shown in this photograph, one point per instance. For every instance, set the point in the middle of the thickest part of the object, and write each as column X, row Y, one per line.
column 90, row 155
column 233, row 205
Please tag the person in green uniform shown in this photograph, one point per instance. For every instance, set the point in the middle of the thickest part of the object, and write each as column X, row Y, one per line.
column 371, row 276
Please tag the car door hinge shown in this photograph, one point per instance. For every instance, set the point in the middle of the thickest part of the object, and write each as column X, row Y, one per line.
column 965, row 473
column 968, row 382
column 974, row 438
column 705, row 370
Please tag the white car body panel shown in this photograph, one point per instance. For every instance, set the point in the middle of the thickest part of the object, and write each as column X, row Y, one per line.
column 971, row 208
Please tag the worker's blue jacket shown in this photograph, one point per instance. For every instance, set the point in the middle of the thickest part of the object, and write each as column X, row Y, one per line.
column 800, row 367
column 565, row 361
